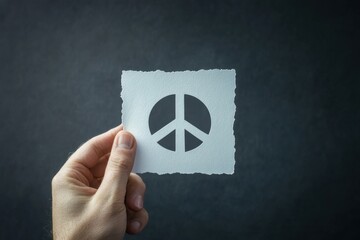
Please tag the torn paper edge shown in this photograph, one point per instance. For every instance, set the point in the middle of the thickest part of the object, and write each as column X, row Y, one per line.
column 187, row 71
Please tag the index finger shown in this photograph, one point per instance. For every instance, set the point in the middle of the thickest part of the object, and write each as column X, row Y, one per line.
column 91, row 151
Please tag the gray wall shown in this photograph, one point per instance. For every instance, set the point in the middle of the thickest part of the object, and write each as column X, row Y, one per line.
column 297, row 131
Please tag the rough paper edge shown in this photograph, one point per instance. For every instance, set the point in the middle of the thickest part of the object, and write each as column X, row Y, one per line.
column 186, row 71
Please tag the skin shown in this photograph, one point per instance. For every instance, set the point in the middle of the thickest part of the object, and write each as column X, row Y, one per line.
column 95, row 195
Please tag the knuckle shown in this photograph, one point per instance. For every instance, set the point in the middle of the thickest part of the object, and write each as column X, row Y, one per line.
column 122, row 164
column 139, row 180
column 54, row 181
column 123, row 161
column 57, row 179
column 57, row 182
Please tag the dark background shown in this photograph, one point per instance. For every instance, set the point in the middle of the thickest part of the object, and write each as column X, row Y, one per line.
column 296, row 127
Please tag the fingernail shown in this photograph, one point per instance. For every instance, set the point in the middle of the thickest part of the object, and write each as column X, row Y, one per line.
column 135, row 225
column 125, row 141
column 139, row 202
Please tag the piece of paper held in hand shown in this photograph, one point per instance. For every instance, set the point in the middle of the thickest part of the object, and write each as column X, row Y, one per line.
column 182, row 121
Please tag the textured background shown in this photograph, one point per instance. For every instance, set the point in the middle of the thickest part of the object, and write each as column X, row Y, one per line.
column 297, row 120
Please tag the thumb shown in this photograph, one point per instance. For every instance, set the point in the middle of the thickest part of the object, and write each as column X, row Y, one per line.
column 118, row 168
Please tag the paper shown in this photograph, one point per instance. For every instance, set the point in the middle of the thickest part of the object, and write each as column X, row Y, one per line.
column 182, row 121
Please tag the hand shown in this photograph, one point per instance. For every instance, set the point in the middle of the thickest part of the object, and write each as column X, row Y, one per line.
column 95, row 195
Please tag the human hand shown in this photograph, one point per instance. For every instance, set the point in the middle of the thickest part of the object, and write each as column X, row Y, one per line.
column 95, row 195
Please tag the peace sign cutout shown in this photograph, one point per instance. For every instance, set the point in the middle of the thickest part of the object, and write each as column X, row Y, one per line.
column 179, row 122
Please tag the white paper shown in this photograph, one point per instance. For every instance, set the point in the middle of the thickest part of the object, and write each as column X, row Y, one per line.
column 214, row 88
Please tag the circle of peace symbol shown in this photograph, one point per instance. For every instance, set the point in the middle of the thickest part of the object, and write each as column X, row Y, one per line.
column 179, row 122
